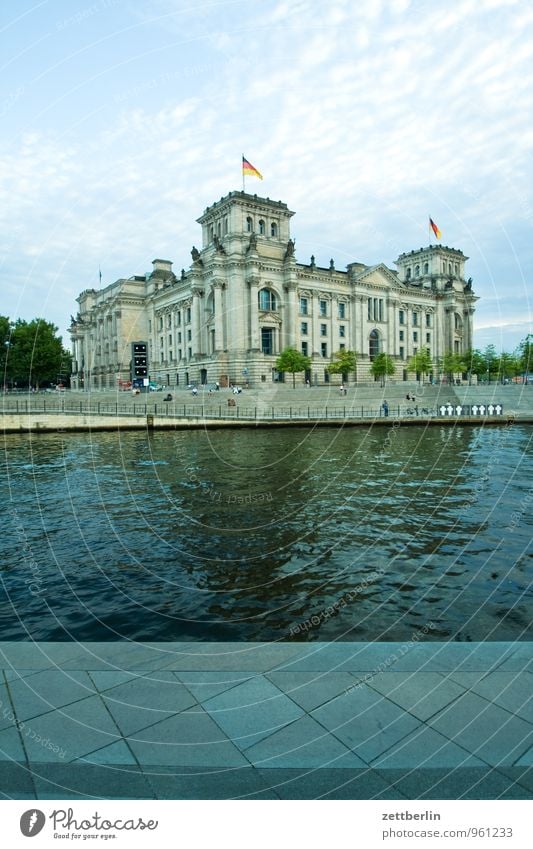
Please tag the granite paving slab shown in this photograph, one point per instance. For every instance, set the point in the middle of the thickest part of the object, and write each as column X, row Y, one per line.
column 330, row 784
column 16, row 781
column 236, row 783
column 252, row 711
column 302, row 744
column 47, row 690
column 115, row 753
column 190, row 738
column 311, row 689
column 208, row 683
column 366, row 722
column 421, row 694
column 462, row 783
column 425, row 748
column 11, row 745
column 75, row 730
column 510, row 690
column 488, row 731
column 6, row 708
column 90, row 781
column 145, row 701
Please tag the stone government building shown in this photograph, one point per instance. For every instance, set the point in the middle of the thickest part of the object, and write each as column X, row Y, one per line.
column 245, row 298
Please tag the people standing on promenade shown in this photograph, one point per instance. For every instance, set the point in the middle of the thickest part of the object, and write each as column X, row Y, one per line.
column 385, row 407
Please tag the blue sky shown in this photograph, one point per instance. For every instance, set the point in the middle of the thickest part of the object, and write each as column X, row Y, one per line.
column 122, row 120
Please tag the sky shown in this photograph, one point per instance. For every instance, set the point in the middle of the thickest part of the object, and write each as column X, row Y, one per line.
column 122, row 120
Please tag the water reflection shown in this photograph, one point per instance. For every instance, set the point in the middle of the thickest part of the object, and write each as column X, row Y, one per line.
column 245, row 534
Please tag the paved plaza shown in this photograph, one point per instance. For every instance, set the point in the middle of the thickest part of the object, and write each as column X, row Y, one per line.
column 266, row 720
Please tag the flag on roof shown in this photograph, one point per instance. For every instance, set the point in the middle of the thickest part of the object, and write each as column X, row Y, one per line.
column 248, row 169
column 435, row 229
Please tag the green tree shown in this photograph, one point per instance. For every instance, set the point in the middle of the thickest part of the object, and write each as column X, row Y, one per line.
column 36, row 354
column 5, row 342
column 382, row 367
column 490, row 359
column 508, row 365
column 343, row 362
column 452, row 363
column 473, row 362
column 292, row 361
column 421, row 363
column 525, row 355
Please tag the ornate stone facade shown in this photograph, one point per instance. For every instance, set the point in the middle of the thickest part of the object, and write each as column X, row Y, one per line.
column 245, row 297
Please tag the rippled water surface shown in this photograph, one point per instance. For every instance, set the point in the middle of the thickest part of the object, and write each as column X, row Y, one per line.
column 355, row 534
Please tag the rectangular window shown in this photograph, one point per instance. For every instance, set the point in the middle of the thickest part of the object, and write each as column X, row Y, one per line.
column 305, row 348
column 170, row 356
column 401, row 335
column 179, row 338
column 342, row 331
column 161, row 356
column 169, row 321
column 370, row 309
column 415, row 318
column 402, row 352
column 189, row 335
column 190, row 353
column 178, row 317
column 326, row 376
column 401, row 316
column 324, row 349
column 304, row 306
column 161, row 322
column 428, row 337
column 170, row 338
column 342, row 347
column 188, row 315
column 342, row 310
column 149, row 325
column 303, row 328
column 415, row 336
column 428, row 319
column 161, row 342
column 323, row 330
column 381, row 309
column 266, row 340
column 179, row 353
column 323, row 307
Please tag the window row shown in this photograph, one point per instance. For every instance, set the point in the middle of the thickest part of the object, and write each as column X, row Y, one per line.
column 169, row 320
column 322, row 308
column 304, row 329
column 262, row 227
column 415, row 320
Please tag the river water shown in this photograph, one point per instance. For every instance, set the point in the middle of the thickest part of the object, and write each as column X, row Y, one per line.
column 285, row 534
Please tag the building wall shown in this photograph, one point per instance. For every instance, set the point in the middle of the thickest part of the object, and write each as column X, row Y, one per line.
column 245, row 298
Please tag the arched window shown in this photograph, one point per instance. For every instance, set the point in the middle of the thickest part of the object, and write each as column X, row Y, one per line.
column 449, row 268
column 261, row 228
column 273, row 229
column 211, row 233
column 225, row 225
column 219, row 229
column 408, row 274
column 249, row 225
column 426, row 268
column 458, row 321
column 267, row 300
column 373, row 344
column 417, row 271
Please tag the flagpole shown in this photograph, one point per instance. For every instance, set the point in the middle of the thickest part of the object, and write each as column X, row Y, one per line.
column 242, row 166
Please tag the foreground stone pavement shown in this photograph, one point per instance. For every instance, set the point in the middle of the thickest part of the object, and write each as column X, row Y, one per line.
column 266, row 720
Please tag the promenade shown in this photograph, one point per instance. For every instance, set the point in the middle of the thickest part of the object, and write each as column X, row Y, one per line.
column 266, row 720
column 272, row 405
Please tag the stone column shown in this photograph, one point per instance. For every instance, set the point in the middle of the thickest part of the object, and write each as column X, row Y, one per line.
column 197, row 329
column 253, row 313
column 218, row 286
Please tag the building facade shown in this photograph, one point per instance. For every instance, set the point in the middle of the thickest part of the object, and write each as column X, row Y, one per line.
column 245, row 298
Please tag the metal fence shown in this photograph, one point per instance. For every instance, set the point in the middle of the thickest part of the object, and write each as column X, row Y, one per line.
column 223, row 411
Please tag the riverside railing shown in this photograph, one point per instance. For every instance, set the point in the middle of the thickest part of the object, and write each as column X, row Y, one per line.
column 198, row 410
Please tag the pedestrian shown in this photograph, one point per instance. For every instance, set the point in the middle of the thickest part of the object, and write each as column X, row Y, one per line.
column 194, row 390
column 341, row 389
column 385, row 407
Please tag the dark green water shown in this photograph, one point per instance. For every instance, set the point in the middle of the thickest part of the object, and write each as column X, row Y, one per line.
column 363, row 534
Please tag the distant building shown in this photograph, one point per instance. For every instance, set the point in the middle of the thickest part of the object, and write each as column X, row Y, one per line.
column 245, row 298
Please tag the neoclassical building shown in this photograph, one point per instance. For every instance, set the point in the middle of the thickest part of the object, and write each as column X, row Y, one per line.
column 245, row 298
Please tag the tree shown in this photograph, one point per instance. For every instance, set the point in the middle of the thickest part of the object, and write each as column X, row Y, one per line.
column 5, row 342
column 292, row 361
column 343, row 362
column 508, row 366
column 382, row 367
column 473, row 362
column 452, row 363
column 525, row 355
column 36, row 354
column 421, row 363
column 490, row 359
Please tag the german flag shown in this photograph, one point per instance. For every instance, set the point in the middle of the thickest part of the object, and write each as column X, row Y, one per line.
column 248, row 169
column 435, row 229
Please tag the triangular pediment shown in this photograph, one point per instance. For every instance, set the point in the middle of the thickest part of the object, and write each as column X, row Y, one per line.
column 380, row 275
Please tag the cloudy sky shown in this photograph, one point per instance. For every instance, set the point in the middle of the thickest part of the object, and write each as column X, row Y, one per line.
column 123, row 119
